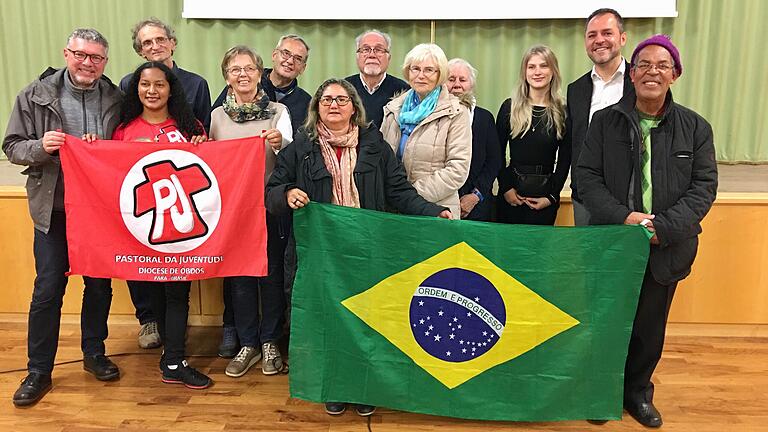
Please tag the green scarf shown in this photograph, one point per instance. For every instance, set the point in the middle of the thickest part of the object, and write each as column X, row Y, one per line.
column 256, row 110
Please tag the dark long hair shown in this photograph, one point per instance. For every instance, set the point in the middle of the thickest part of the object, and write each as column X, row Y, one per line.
column 178, row 108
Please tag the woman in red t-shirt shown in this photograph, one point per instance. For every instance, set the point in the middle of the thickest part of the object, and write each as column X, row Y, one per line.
column 155, row 109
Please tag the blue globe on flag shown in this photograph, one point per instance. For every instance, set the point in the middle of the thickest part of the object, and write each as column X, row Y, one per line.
column 457, row 315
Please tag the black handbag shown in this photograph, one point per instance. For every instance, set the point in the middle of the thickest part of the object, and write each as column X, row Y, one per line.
column 531, row 181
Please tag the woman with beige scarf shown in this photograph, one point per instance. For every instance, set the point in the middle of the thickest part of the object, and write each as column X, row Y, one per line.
column 337, row 157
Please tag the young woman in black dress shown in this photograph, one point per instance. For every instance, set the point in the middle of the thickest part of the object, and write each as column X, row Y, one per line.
column 532, row 125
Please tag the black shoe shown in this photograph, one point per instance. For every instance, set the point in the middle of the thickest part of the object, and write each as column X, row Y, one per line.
column 365, row 410
column 101, row 367
column 187, row 375
column 335, row 408
column 230, row 345
column 645, row 413
column 32, row 389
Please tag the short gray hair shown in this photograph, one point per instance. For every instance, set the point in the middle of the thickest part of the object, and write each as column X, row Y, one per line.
column 295, row 37
column 422, row 52
column 89, row 34
column 237, row 50
column 386, row 37
column 154, row 22
column 461, row 62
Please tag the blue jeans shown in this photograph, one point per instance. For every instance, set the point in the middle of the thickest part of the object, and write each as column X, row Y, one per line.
column 261, row 321
column 141, row 297
column 51, row 264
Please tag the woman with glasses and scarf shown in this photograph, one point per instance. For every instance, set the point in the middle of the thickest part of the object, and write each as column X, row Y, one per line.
column 155, row 109
column 340, row 158
column 430, row 130
column 532, row 123
column 246, row 112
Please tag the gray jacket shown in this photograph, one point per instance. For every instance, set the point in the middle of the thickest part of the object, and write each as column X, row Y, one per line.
column 37, row 110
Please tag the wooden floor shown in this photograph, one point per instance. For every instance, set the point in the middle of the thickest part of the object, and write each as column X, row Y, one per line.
column 702, row 384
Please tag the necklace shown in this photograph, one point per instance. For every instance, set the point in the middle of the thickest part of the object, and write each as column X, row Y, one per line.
column 539, row 118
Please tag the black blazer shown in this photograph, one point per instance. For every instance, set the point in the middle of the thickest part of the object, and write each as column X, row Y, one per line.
column 579, row 99
column 486, row 161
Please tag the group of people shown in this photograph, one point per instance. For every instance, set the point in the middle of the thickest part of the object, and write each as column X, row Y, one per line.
column 416, row 146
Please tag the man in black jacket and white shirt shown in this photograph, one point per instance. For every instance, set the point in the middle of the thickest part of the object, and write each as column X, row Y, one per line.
column 649, row 161
column 603, row 85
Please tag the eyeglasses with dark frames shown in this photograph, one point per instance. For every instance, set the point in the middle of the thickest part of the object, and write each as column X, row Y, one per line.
column 340, row 100
column 81, row 56
column 285, row 54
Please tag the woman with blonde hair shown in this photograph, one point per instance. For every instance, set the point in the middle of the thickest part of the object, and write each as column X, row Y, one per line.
column 532, row 125
column 429, row 129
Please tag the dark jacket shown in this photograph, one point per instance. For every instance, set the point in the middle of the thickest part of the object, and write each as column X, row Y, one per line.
column 485, row 163
column 380, row 178
column 297, row 101
column 36, row 111
column 683, row 172
column 579, row 99
column 374, row 103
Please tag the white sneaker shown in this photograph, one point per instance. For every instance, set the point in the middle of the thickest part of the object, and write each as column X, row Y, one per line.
column 149, row 337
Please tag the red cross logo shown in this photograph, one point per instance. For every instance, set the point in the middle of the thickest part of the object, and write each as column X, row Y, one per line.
column 169, row 192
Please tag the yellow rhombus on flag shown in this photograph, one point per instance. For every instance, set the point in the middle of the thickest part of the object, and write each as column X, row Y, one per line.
column 530, row 320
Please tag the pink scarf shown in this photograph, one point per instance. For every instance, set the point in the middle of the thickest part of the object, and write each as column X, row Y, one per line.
column 344, row 188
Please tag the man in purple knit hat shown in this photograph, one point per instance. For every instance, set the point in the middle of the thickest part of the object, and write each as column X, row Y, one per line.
column 650, row 161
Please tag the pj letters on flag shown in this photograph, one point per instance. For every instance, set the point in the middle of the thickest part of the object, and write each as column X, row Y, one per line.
column 463, row 319
column 165, row 211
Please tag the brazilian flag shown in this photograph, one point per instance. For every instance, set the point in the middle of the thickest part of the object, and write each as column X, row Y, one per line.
column 463, row 319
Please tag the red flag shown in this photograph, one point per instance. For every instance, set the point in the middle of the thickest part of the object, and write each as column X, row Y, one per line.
column 165, row 211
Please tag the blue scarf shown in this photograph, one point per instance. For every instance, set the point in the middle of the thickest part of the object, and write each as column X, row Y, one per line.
column 412, row 113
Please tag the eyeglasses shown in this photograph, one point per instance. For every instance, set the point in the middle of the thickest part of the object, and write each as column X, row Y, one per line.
column 366, row 50
column 285, row 54
column 645, row 66
column 427, row 71
column 160, row 40
column 237, row 70
column 340, row 100
column 81, row 56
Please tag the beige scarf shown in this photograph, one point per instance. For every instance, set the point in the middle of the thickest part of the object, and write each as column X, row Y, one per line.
column 344, row 188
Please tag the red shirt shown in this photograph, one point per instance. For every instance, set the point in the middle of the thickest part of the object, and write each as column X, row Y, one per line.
column 139, row 129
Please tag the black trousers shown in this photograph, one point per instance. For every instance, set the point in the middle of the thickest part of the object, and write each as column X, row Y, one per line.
column 51, row 265
column 647, row 340
column 170, row 304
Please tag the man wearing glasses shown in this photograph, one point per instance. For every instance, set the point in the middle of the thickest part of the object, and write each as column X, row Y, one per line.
column 156, row 41
column 649, row 161
column 289, row 59
column 373, row 84
column 79, row 101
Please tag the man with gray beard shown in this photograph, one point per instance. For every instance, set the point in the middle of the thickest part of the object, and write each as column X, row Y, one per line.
column 77, row 100
column 373, row 84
